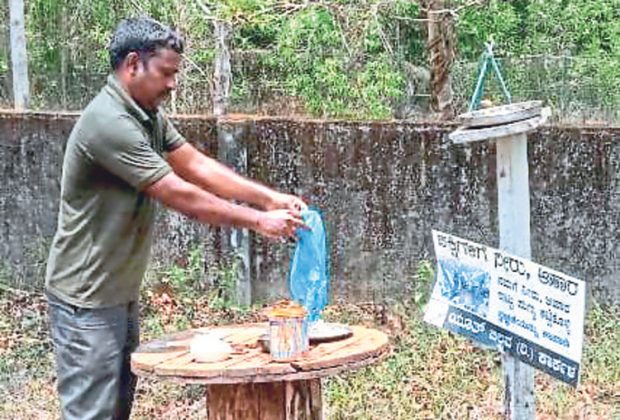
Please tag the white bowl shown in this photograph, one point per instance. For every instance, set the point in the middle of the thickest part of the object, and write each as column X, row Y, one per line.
column 208, row 348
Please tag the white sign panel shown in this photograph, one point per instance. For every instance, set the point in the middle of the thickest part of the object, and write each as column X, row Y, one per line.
column 510, row 303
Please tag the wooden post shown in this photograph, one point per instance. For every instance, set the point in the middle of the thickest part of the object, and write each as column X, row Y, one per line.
column 283, row 400
column 509, row 126
column 514, row 237
column 235, row 242
column 19, row 57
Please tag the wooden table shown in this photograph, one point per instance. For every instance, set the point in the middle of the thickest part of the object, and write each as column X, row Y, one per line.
column 249, row 385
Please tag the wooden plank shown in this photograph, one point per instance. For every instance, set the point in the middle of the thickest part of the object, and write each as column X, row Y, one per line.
column 293, row 376
column 172, row 366
column 260, row 365
column 357, row 345
column 464, row 135
column 253, row 363
column 325, row 351
column 187, row 367
column 247, row 335
column 237, row 334
column 365, row 343
column 148, row 361
column 503, row 114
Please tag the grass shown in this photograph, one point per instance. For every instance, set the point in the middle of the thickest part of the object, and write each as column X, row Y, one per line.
column 429, row 374
column 435, row 374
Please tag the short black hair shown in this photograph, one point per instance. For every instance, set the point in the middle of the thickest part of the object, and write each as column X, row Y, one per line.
column 144, row 36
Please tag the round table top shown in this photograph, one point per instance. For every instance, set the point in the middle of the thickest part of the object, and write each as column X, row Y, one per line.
column 169, row 358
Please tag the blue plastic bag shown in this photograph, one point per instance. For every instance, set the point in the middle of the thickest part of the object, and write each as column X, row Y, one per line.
column 308, row 274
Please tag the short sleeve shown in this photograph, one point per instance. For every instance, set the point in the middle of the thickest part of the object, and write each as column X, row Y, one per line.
column 172, row 138
column 124, row 150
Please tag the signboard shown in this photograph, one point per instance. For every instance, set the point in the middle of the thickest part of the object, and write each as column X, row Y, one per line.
column 509, row 303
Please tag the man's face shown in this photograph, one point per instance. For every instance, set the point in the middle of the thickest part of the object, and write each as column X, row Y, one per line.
column 153, row 79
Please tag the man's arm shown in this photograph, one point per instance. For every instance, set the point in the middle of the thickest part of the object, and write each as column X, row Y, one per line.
column 188, row 199
column 212, row 176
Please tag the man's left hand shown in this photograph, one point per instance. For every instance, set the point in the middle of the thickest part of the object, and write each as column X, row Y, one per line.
column 285, row 201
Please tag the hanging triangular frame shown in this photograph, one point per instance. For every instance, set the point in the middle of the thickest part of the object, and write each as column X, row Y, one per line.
column 487, row 62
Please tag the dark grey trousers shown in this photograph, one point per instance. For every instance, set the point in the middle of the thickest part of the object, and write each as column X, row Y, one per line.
column 92, row 349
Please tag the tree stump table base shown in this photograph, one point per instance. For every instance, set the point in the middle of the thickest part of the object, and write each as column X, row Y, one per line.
column 282, row 400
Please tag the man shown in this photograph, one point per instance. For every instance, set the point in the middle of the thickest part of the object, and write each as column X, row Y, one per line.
column 123, row 155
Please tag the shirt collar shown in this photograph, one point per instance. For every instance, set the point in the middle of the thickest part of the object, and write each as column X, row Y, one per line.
column 132, row 106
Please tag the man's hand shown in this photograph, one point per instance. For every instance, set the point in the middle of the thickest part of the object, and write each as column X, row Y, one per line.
column 285, row 201
column 216, row 178
column 277, row 224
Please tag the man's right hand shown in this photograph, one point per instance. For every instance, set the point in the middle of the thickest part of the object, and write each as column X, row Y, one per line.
column 176, row 193
column 277, row 224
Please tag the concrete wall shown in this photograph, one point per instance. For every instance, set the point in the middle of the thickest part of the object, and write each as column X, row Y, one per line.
column 382, row 188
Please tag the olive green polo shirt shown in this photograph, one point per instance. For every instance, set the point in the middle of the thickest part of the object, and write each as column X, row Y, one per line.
column 105, row 223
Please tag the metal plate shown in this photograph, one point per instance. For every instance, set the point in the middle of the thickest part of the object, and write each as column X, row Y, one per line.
column 498, row 115
column 322, row 332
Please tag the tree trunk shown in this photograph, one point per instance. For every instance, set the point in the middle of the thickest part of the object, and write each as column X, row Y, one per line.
column 294, row 400
column 441, row 48
column 7, row 85
column 64, row 56
column 222, row 74
column 19, row 57
column 235, row 241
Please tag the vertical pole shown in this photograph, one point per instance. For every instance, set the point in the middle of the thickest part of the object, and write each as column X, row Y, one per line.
column 514, row 237
column 19, row 57
column 222, row 74
column 235, row 242
column 64, row 53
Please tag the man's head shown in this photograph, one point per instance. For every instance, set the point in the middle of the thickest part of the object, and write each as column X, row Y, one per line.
column 145, row 55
